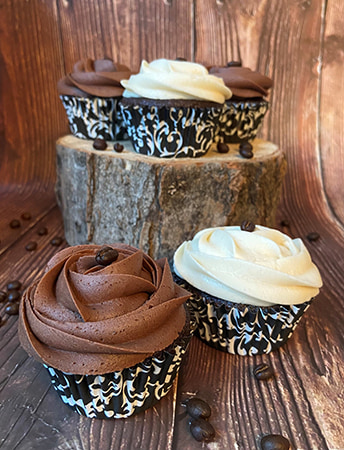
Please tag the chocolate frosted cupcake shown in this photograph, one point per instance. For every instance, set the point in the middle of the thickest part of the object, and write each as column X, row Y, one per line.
column 109, row 325
column 249, row 288
column 173, row 108
column 244, row 112
column 90, row 95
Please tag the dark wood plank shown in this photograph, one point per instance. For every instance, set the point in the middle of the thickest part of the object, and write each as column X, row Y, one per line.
column 127, row 31
column 331, row 116
column 31, row 116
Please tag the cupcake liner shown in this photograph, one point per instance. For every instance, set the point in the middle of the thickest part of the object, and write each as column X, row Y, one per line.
column 126, row 392
column 241, row 121
column 242, row 329
column 168, row 131
column 91, row 118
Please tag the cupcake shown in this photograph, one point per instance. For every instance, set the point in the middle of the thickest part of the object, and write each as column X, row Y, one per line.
column 173, row 108
column 250, row 286
column 244, row 112
column 90, row 95
column 110, row 326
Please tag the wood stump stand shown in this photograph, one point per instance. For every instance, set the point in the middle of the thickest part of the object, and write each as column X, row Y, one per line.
column 155, row 204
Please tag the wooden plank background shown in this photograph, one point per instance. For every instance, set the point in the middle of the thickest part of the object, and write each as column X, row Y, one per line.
column 300, row 44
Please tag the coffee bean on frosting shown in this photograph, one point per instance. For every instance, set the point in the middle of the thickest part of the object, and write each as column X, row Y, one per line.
column 263, row 372
column 234, row 64
column 246, row 225
column 12, row 309
column 13, row 285
column 180, row 58
column 31, row 246
column 274, row 442
column 106, row 256
column 42, row 231
column 3, row 296
column 14, row 223
column 202, row 430
column 118, row 147
column 198, row 408
column 314, row 236
column 99, row 144
column 13, row 296
column 222, row 147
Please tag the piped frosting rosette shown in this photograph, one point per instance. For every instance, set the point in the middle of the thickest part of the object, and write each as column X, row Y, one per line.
column 173, row 108
column 85, row 318
column 249, row 289
column 90, row 94
column 112, row 337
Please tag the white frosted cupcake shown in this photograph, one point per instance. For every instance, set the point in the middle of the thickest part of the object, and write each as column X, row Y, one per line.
column 173, row 108
column 250, row 286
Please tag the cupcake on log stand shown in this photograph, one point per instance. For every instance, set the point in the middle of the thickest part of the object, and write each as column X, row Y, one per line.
column 177, row 173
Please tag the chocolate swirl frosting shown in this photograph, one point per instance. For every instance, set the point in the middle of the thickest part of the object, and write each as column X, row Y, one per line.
column 84, row 318
column 94, row 78
column 243, row 82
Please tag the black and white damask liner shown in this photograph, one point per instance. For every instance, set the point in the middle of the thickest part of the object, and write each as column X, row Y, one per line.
column 242, row 329
column 126, row 392
column 241, row 121
column 91, row 118
column 168, row 132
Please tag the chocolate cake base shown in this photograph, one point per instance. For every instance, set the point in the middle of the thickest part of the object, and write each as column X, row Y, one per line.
column 155, row 203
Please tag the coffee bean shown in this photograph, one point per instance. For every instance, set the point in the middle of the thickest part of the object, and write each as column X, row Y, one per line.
column 31, row 246
column 222, row 147
column 12, row 309
column 263, row 372
column 26, row 216
column 180, row 58
column 234, row 64
column 202, row 430
column 106, row 256
column 246, row 225
column 245, row 150
column 14, row 223
column 99, row 144
column 42, row 231
column 56, row 241
column 118, row 147
column 13, row 296
column 285, row 223
column 314, row 236
column 198, row 408
column 3, row 296
column 274, row 442
column 13, row 285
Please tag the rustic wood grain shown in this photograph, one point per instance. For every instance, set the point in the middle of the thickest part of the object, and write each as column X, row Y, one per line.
column 299, row 44
column 30, row 59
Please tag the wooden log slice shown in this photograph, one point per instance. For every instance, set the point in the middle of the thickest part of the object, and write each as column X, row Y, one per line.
column 154, row 203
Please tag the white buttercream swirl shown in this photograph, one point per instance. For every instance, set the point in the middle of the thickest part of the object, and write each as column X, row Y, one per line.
column 165, row 79
column 263, row 268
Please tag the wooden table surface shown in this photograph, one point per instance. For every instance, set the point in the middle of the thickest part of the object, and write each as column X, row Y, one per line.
column 300, row 45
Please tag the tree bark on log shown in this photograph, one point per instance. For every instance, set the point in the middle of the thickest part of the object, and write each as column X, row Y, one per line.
column 155, row 203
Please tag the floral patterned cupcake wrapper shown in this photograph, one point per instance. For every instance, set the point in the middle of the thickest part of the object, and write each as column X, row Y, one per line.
column 91, row 118
column 167, row 131
column 126, row 392
column 242, row 329
column 241, row 121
